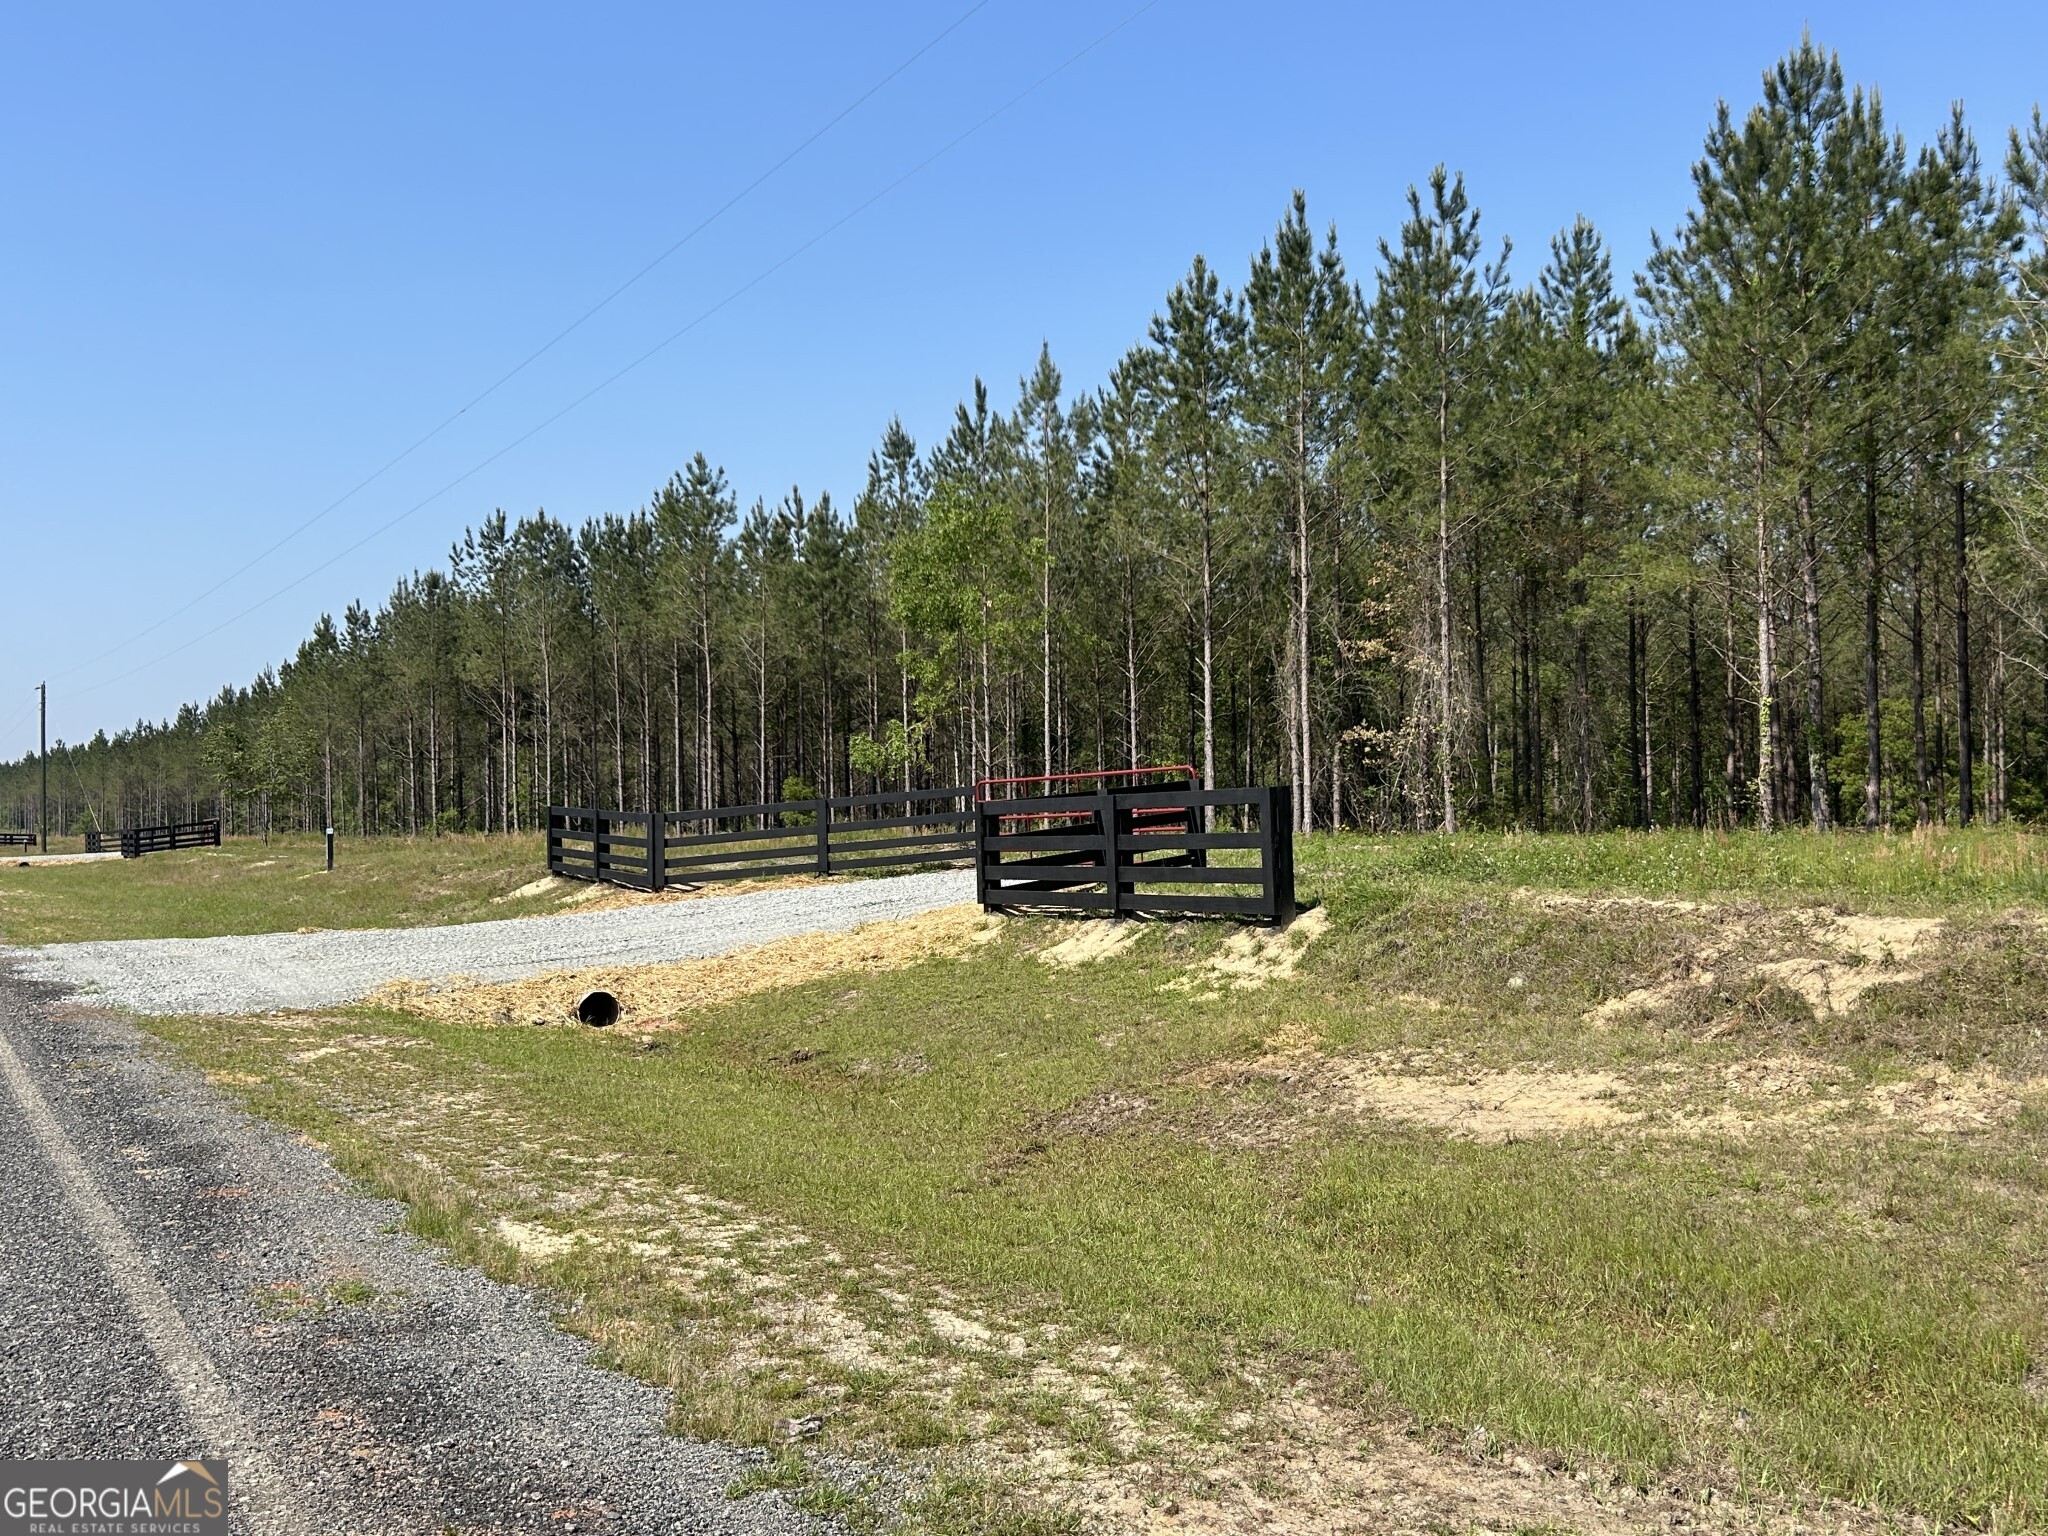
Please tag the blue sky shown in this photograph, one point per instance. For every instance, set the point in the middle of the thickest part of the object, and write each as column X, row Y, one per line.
column 249, row 254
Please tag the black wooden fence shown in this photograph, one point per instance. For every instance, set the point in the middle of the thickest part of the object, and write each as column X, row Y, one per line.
column 838, row 834
column 1112, row 851
column 1093, row 852
column 589, row 844
column 134, row 842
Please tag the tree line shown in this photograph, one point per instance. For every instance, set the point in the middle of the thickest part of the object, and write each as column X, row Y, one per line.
column 1755, row 541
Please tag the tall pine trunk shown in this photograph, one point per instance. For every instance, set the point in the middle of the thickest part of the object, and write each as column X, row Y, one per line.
column 1923, row 812
column 1534, row 701
column 1733, row 767
column 1582, row 701
column 1208, row 658
column 1965, row 704
column 1873, row 704
column 1131, row 661
column 1809, row 609
column 1482, row 696
column 903, row 687
column 1639, row 810
column 1695, row 746
column 1045, row 624
column 1304, row 809
column 1766, row 660
column 1443, row 607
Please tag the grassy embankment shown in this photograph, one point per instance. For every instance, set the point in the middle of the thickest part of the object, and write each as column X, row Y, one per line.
column 1716, row 1189
column 252, row 886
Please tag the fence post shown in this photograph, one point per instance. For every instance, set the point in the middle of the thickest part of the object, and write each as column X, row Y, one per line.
column 1106, row 810
column 657, row 851
column 982, row 854
column 1263, row 800
column 824, row 824
column 1276, row 830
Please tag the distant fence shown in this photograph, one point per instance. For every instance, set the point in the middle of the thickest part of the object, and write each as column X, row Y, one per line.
column 1094, row 852
column 134, row 842
column 830, row 835
column 17, row 839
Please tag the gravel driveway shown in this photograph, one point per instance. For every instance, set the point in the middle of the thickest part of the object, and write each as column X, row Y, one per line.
column 256, row 973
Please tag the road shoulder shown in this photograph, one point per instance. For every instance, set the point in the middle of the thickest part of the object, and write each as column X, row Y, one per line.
column 388, row 1389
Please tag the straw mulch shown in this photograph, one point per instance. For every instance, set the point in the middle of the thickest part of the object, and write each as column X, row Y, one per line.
column 660, row 996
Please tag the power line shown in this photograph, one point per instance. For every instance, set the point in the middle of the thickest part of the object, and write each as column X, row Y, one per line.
column 19, row 715
column 22, row 714
column 545, row 347
column 84, row 794
column 660, row 346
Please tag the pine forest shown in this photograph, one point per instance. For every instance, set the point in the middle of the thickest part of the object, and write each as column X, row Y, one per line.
column 1442, row 535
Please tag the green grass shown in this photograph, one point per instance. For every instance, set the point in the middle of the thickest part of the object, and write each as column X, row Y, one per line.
column 1933, row 871
column 250, row 886
column 1858, row 1314
column 74, row 843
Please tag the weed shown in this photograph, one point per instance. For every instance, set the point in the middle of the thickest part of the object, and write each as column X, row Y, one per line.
column 786, row 1469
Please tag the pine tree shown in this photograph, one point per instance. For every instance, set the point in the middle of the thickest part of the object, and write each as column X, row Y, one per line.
column 1046, row 464
column 1745, row 290
column 1962, row 235
column 1193, row 375
column 1583, row 367
column 1434, row 309
column 1301, row 342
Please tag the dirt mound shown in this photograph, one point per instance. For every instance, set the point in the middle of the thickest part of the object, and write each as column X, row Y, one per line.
column 1571, row 900
column 1939, row 1101
column 1252, row 958
column 1475, row 1106
column 1092, row 940
column 653, row 996
column 1289, row 1093
column 546, row 885
column 1829, row 959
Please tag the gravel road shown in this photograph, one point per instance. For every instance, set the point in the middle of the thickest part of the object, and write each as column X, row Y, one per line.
column 257, row 973
column 143, row 1223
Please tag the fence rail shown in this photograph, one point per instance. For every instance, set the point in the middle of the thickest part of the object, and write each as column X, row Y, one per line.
column 134, row 842
column 17, row 839
column 835, row 834
column 1093, row 852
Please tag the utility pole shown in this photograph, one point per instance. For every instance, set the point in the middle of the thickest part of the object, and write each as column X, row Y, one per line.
column 43, row 755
